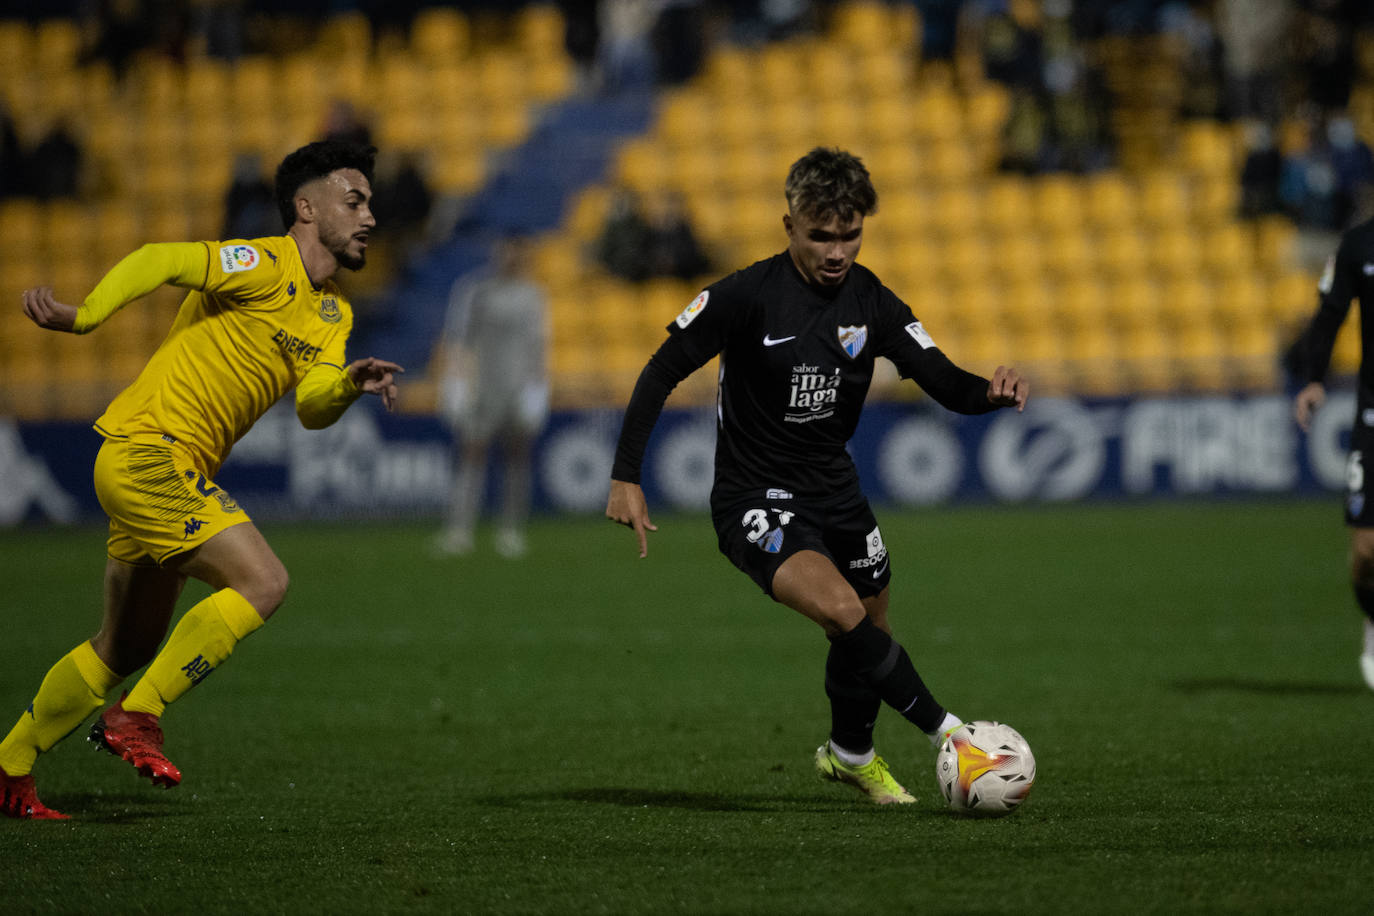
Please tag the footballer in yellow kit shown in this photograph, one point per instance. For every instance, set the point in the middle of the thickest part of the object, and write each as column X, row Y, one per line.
column 252, row 327
column 261, row 316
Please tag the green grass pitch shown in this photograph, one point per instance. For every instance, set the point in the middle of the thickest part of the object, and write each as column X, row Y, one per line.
column 586, row 732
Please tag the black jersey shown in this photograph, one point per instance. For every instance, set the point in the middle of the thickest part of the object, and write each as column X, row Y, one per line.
column 1349, row 274
column 796, row 364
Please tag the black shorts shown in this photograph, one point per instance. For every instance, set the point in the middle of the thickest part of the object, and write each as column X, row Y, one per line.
column 1359, row 500
column 759, row 535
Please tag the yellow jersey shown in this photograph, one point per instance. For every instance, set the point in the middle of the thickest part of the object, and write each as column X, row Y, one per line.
column 252, row 327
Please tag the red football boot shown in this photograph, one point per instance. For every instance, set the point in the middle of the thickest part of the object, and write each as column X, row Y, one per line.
column 137, row 738
column 19, row 798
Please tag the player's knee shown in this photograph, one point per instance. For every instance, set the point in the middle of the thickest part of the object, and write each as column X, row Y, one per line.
column 840, row 613
column 1362, row 559
column 268, row 590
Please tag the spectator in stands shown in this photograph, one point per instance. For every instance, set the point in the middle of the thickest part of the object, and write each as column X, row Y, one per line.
column 54, row 165
column 343, row 122
column 404, row 200
column 1076, row 98
column 494, row 389
column 11, row 155
column 1327, row 182
column 581, row 38
column 250, row 204
column 1259, row 176
column 1254, row 35
column 673, row 247
column 625, row 241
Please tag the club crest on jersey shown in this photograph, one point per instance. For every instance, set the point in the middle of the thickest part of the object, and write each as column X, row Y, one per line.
column 694, row 309
column 329, row 310
column 853, row 338
column 235, row 258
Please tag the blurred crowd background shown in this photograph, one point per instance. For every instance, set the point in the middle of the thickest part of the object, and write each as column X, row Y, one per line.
column 1121, row 197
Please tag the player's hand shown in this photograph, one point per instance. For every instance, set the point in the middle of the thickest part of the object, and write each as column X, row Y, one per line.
column 47, row 312
column 376, row 376
column 1008, row 389
column 1307, row 403
column 626, row 506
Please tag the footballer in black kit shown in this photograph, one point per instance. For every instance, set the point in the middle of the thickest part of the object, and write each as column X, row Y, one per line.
column 797, row 336
column 1349, row 274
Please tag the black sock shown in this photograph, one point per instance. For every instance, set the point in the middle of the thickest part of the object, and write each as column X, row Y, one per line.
column 853, row 707
column 879, row 661
column 1365, row 598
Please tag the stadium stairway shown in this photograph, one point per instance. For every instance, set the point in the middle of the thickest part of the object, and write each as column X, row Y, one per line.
column 568, row 149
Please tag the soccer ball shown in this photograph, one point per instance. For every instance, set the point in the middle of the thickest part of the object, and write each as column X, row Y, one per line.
column 985, row 768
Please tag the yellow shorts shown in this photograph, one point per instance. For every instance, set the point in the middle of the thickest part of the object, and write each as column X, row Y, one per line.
column 160, row 505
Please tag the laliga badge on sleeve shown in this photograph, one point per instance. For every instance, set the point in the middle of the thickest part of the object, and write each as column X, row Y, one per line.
column 234, row 258
column 693, row 310
column 919, row 335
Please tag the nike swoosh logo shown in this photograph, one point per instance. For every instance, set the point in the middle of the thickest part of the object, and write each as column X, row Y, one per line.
column 770, row 342
column 881, row 570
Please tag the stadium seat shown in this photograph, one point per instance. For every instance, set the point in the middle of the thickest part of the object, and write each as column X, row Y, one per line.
column 440, row 35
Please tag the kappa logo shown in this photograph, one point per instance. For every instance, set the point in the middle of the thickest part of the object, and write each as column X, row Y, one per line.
column 329, row 310
column 853, row 338
column 236, row 258
column 291, row 288
column 192, row 526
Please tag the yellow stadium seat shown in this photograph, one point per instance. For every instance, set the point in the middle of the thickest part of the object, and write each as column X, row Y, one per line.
column 642, row 164
column 1021, row 257
column 883, row 69
column 862, row 25
column 551, row 77
column 937, row 113
column 830, row 70
column 57, row 46
column 440, row 34
column 1228, row 250
column 1216, row 200
column 1069, row 251
column 1110, row 201
column 1209, row 148
column 1121, row 252
column 1058, row 202
column 779, row 70
column 1174, row 251
column 729, row 73
column 346, row 34
column 502, row 79
column 896, row 169
column 1008, row 206
column 1292, row 296
column 1164, row 199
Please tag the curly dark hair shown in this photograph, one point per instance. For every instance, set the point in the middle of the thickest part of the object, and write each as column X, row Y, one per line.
column 828, row 180
column 316, row 160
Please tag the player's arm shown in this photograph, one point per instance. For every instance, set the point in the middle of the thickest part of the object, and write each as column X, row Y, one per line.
column 327, row 390
column 138, row 274
column 1336, row 290
column 626, row 505
column 918, row 358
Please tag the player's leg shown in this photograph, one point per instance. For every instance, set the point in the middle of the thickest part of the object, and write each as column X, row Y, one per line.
column 1362, row 578
column 138, row 605
column 465, row 496
column 517, row 482
column 250, row 583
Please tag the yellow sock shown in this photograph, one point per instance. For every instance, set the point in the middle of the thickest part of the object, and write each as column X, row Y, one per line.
column 72, row 689
column 199, row 644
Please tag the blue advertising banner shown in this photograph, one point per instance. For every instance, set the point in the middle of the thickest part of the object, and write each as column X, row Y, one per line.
column 1061, row 449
